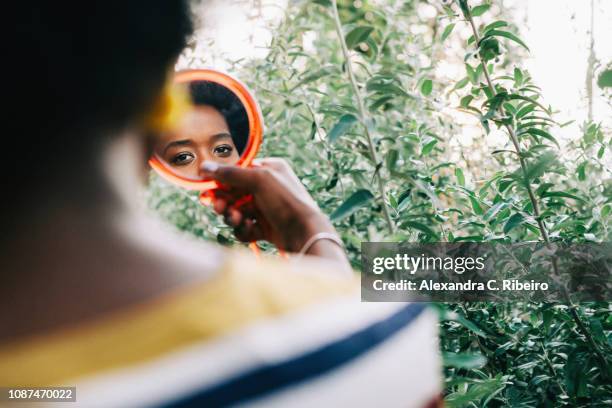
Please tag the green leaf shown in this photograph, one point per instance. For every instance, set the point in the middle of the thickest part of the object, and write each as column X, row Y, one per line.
column 404, row 202
column 575, row 380
column 542, row 133
column 426, row 87
column 447, row 31
column 465, row 8
column 343, row 125
column 539, row 378
column 465, row 101
column 540, row 166
column 562, row 194
column 513, row 222
column 460, row 176
column 392, row 157
column 464, row 360
column 392, row 201
column 379, row 102
column 421, row 227
column 525, row 110
column 428, row 147
column 320, row 73
column 386, row 86
column 505, row 183
column 494, row 104
column 601, row 151
column 478, row 394
column 508, row 35
column 492, row 212
column 489, row 48
column 461, row 84
column 581, row 170
column 358, row 35
column 313, row 130
column 494, row 25
column 518, row 76
column 480, row 10
column 476, row 205
column 471, row 73
column 528, row 99
column 357, row 200
column 468, row 324
column 605, row 79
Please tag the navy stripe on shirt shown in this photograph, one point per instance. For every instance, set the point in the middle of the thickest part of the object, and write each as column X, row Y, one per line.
column 264, row 379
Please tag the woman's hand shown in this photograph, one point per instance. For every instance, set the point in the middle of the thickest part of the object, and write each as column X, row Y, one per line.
column 281, row 211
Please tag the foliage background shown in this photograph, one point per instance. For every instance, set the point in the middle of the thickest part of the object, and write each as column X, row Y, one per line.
column 380, row 144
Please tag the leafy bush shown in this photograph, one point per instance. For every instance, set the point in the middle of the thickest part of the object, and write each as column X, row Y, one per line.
column 351, row 97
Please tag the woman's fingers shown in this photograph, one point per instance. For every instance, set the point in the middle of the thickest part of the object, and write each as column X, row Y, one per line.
column 235, row 217
column 219, row 205
column 266, row 202
column 233, row 176
column 249, row 231
column 246, row 222
column 275, row 163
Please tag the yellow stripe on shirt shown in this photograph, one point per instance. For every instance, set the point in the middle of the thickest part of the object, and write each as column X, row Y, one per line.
column 242, row 293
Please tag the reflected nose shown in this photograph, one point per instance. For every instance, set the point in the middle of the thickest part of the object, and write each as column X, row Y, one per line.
column 195, row 169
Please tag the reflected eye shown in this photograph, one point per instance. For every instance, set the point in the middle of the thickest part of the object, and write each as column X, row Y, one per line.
column 223, row 150
column 182, row 159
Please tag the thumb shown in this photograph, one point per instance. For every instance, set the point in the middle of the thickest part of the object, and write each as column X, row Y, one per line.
column 229, row 175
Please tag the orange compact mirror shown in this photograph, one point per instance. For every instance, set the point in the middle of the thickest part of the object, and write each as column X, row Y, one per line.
column 220, row 121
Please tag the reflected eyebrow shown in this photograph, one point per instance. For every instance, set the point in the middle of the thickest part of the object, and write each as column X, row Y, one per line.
column 177, row 143
column 186, row 142
column 218, row 136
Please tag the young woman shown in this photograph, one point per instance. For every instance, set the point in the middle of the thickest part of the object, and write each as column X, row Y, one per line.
column 97, row 296
column 215, row 128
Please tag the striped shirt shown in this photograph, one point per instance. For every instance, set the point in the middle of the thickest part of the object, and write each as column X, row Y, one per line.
column 259, row 333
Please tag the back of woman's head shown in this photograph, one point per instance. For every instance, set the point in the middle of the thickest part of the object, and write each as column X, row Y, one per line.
column 80, row 73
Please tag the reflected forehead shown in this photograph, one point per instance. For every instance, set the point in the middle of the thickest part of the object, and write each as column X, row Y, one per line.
column 202, row 124
column 205, row 118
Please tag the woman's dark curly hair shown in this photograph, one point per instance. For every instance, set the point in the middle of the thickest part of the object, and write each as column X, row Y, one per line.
column 228, row 104
column 79, row 74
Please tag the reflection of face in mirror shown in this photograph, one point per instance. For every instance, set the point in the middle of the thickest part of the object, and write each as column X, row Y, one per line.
column 215, row 128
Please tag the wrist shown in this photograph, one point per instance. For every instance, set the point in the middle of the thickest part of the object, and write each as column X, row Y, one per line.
column 305, row 227
column 316, row 236
column 310, row 246
column 327, row 245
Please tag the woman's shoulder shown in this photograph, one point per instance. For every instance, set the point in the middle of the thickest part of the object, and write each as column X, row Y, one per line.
column 254, row 326
column 289, row 279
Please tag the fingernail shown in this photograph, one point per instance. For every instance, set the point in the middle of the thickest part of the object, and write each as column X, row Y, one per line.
column 209, row 166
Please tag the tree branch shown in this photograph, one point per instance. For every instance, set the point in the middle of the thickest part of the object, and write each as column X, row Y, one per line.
column 534, row 202
column 362, row 117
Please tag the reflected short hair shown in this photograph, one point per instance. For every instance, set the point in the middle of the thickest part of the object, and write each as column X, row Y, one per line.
column 227, row 103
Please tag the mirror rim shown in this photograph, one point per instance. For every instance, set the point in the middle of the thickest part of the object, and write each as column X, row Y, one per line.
column 254, row 115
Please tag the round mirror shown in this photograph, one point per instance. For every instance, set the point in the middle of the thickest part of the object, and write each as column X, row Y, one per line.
column 221, row 122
